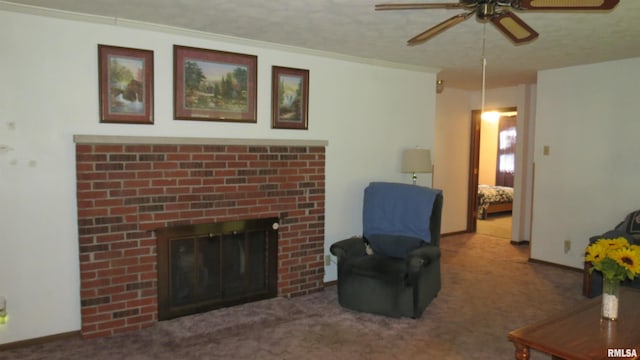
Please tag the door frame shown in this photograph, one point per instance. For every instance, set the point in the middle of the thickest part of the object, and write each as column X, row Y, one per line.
column 474, row 165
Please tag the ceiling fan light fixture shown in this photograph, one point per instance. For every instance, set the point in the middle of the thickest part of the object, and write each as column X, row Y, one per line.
column 485, row 11
column 497, row 12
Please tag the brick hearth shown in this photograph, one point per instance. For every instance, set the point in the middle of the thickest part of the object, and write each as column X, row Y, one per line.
column 129, row 186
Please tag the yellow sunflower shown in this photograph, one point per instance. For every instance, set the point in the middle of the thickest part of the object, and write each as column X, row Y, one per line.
column 615, row 258
column 614, row 244
column 628, row 259
column 596, row 252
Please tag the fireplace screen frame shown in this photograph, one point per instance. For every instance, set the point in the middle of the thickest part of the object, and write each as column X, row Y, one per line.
column 223, row 231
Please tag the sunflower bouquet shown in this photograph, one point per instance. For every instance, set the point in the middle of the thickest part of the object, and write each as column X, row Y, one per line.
column 615, row 258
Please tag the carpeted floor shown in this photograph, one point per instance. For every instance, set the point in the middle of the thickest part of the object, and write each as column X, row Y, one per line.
column 498, row 225
column 489, row 288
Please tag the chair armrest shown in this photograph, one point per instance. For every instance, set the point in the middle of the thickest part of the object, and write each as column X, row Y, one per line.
column 611, row 234
column 422, row 256
column 353, row 246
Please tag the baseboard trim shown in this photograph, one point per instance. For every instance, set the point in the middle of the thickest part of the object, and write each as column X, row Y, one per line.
column 454, row 233
column 73, row 334
column 560, row 266
column 40, row 340
column 331, row 283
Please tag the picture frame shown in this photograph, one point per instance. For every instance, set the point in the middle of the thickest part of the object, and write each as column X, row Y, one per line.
column 212, row 85
column 289, row 98
column 125, row 85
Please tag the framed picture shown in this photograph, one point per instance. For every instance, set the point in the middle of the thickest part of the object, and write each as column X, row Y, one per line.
column 214, row 85
column 290, row 98
column 126, row 85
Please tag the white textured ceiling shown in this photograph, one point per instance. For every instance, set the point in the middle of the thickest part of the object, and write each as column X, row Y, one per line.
column 352, row 27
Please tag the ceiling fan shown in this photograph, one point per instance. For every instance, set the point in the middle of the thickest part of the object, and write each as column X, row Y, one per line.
column 498, row 13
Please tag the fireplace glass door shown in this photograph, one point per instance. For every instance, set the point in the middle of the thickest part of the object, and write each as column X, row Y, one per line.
column 203, row 267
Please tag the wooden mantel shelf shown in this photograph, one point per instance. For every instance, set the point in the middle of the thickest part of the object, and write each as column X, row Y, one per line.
column 148, row 140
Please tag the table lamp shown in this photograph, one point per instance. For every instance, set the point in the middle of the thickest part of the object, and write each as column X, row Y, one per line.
column 416, row 161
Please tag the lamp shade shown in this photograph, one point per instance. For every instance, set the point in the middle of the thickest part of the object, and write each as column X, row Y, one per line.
column 416, row 161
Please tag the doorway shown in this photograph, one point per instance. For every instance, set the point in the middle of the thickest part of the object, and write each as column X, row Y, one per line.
column 491, row 170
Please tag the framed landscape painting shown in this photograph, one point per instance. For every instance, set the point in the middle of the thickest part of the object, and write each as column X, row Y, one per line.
column 125, row 85
column 290, row 98
column 214, row 85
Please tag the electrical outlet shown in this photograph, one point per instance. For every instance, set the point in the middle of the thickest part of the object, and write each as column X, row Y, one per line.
column 327, row 260
column 567, row 246
column 3, row 310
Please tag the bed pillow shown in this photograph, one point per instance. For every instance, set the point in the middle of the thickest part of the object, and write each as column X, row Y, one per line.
column 398, row 246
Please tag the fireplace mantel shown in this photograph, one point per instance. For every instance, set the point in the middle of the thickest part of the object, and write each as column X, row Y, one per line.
column 167, row 140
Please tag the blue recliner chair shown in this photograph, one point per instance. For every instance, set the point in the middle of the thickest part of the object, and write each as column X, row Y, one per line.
column 394, row 268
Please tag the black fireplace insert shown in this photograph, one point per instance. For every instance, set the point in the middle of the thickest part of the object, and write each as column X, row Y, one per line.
column 203, row 267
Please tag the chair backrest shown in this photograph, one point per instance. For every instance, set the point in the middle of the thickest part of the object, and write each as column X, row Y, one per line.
column 402, row 209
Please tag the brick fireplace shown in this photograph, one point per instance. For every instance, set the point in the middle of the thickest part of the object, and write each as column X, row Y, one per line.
column 129, row 186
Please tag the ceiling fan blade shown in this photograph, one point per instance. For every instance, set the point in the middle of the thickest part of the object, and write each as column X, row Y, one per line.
column 429, row 33
column 416, row 6
column 513, row 27
column 565, row 4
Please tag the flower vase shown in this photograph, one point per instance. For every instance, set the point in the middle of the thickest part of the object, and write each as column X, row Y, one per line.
column 610, row 296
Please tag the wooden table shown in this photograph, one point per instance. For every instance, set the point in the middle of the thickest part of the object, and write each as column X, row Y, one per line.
column 581, row 334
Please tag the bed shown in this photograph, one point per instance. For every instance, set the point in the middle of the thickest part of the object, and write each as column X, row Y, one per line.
column 494, row 199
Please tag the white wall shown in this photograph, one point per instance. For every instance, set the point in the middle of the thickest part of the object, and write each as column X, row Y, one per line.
column 368, row 113
column 451, row 161
column 588, row 116
column 488, row 152
column 452, row 144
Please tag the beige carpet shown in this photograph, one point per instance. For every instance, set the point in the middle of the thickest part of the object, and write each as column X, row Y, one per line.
column 489, row 288
column 498, row 225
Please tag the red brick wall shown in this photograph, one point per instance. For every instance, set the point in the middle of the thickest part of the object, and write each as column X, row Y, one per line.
column 125, row 191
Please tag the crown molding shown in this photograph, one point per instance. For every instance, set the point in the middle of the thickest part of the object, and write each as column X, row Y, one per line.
column 134, row 24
